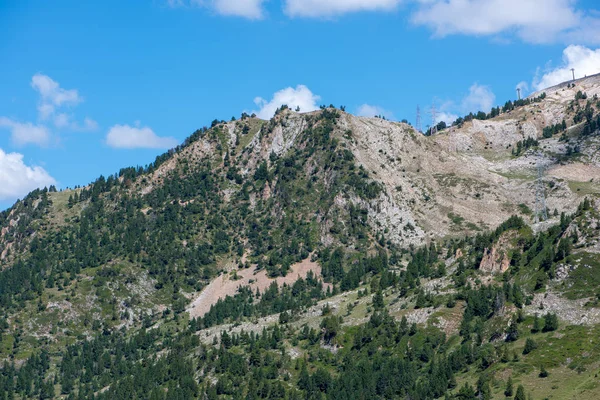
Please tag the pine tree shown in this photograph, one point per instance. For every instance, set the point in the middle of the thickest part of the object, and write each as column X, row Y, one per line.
column 537, row 325
column 550, row 322
column 508, row 392
column 378, row 300
column 304, row 378
column 513, row 332
column 484, row 392
column 466, row 392
column 530, row 345
column 520, row 393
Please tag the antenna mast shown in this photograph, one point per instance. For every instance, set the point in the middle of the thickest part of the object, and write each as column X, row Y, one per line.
column 541, row 212
column 418, row 121
column 519, row 93
column 573, row 71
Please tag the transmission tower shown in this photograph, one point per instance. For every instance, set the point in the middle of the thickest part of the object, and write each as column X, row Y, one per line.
column 519, row 93
column 418, row 121
column 573, row 71
column 433, row 120
column 541, row 212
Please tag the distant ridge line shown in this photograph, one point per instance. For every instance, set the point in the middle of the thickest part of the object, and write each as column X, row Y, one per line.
column 563, row 85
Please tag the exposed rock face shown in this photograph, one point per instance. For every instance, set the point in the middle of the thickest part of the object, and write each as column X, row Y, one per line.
column 494, row 262
column 266, row 192
column 463, row 180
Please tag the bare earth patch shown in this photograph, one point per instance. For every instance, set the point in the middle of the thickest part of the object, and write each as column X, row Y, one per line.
column 226, row 285
column 577, row 172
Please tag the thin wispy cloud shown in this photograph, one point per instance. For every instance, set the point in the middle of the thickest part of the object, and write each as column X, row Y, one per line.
column 53, row 101
column 249, row 9
column 52, row 95
column 480, row 98
column 137, row 137
column 331, row 8
column 368, row 110
column 54, row 107
column 24, row 133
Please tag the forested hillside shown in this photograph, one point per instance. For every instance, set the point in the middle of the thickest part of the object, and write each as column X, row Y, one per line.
column 426, row 274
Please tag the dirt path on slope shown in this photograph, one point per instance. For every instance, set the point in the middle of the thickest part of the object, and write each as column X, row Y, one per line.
column 225, row 285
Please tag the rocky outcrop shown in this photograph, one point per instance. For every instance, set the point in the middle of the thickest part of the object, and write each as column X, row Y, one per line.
column 494, row 261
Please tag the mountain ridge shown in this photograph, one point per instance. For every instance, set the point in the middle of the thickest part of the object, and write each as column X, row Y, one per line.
column 431, row 241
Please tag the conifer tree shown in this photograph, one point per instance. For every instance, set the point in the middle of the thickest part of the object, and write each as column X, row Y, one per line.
column 508, row 392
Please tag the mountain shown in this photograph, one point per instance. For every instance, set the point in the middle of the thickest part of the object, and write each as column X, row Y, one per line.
column 319, row 255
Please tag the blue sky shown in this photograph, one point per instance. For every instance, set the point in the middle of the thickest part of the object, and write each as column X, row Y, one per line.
column 89, row 87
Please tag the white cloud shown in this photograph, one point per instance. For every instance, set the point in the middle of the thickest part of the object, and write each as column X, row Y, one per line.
column 585, row 61
column 480, row 98
column 367, row 110
column 17, row 179
column 62, row 120
column 301, row 97
column 536, row 21
column 447, row 117
column 65, row 121
column 135, row 137
column 26, row 133
column 250, row 9
column 52, row 95
column 45, row 110
column 53, row 98
column 330, row 8
column 89, row 124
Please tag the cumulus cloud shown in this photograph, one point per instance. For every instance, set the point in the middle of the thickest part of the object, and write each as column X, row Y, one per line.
column 17, row 179
column 26, row 133
column 584, row 60
column 367, row 110
column 480, row 98
column 536, row 21
column 301, row 96
column 330, row 8
column 250, row 9
column 136, row 137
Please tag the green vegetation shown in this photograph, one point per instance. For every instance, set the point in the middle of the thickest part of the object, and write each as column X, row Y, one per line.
column 496, row 111
column 552, row 130
column 93, row 301
column 524, row 145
